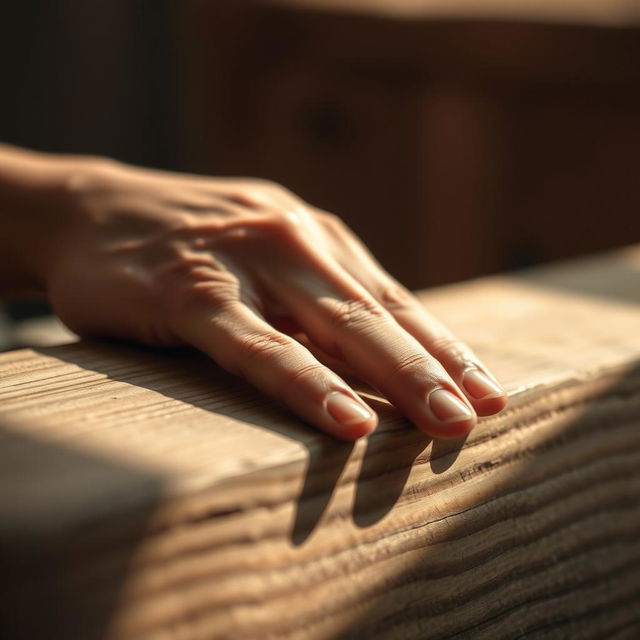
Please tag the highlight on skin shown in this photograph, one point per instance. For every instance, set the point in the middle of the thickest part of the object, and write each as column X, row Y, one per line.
column 169, row 259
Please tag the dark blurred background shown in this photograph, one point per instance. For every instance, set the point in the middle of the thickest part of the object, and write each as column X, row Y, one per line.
column 456, row 137
column 89, row 76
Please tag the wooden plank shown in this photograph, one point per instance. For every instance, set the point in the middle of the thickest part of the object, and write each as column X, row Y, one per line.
column 151, row 495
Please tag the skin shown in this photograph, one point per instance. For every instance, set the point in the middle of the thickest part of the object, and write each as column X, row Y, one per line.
column 268, row 286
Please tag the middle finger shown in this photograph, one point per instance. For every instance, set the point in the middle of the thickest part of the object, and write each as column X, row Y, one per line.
column 342, row 318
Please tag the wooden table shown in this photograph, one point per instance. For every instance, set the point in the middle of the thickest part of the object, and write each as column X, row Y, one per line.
column 147, row 495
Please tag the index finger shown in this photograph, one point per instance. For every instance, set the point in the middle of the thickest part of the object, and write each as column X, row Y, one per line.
column 244, row 344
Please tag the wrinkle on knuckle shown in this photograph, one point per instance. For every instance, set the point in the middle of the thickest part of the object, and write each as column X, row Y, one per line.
column 411, row 366
column 297, row 376
column 355, row 314
column 189, row 282
column 268, row 345
column 448, row 348
column 395, row 297
column 214, row 295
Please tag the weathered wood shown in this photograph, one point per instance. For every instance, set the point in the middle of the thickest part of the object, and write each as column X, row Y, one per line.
column 150, row 494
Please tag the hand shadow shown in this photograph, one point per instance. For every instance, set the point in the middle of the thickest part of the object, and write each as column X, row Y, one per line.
column 390, row 455
column 386, row 457
column 189, row 377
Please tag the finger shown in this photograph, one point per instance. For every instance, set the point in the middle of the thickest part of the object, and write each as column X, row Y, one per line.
column 292, row 328
column 335, row 364
column 481, row 388
column 244, row 344
column 342, row 318
column 479, row 385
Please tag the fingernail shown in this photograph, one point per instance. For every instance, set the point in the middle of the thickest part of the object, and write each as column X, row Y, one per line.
column 346, row 410
column 480, row 386
column 448, row 407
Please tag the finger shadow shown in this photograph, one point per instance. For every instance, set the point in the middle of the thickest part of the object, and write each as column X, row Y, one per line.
column 387, row 462
column 387, row 457
column 326, row 464
column 444, row 453
column 189, row 377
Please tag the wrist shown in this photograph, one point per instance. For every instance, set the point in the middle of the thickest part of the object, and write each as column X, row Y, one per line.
column 37, row 213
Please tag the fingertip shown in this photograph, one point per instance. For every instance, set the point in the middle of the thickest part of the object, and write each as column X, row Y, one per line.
column 491, row 406
column 350, row 417
column 446, row 413
column 478, row 385
column 449, row 430
column 483, row 391
column 357, row 431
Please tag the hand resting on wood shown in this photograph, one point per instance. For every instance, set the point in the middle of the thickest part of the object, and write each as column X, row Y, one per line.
column 268, row 286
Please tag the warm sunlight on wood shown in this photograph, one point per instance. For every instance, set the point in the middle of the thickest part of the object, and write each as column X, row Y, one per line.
column 248, row 522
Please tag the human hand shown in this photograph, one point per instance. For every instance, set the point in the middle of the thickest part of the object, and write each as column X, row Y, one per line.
column 236, row 268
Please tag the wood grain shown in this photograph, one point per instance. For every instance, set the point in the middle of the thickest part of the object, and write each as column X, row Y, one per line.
column 148, row 495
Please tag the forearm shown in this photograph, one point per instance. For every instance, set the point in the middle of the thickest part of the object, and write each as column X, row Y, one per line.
column 34, row 207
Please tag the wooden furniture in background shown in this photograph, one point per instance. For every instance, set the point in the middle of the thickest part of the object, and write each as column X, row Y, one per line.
column 457, row 138
column 149, row 494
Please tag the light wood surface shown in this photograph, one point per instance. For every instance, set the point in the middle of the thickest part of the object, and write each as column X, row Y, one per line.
column 148, row 495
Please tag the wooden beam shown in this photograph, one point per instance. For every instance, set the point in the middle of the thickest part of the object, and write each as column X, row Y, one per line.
column 148, row 495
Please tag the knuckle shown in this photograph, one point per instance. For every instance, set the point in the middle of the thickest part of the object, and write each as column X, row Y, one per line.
column 448, row 348
column 395, row 297
column 214, row 295
column 189, row 270
column 308, row 372
column 192, row 282
column 411, row 366
column 280, row 190
column 336, row 227
column 331, row 221
column 268, row 345
column 265, row 184
column 282, row 225
column 355, row 314
column 272, row 189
